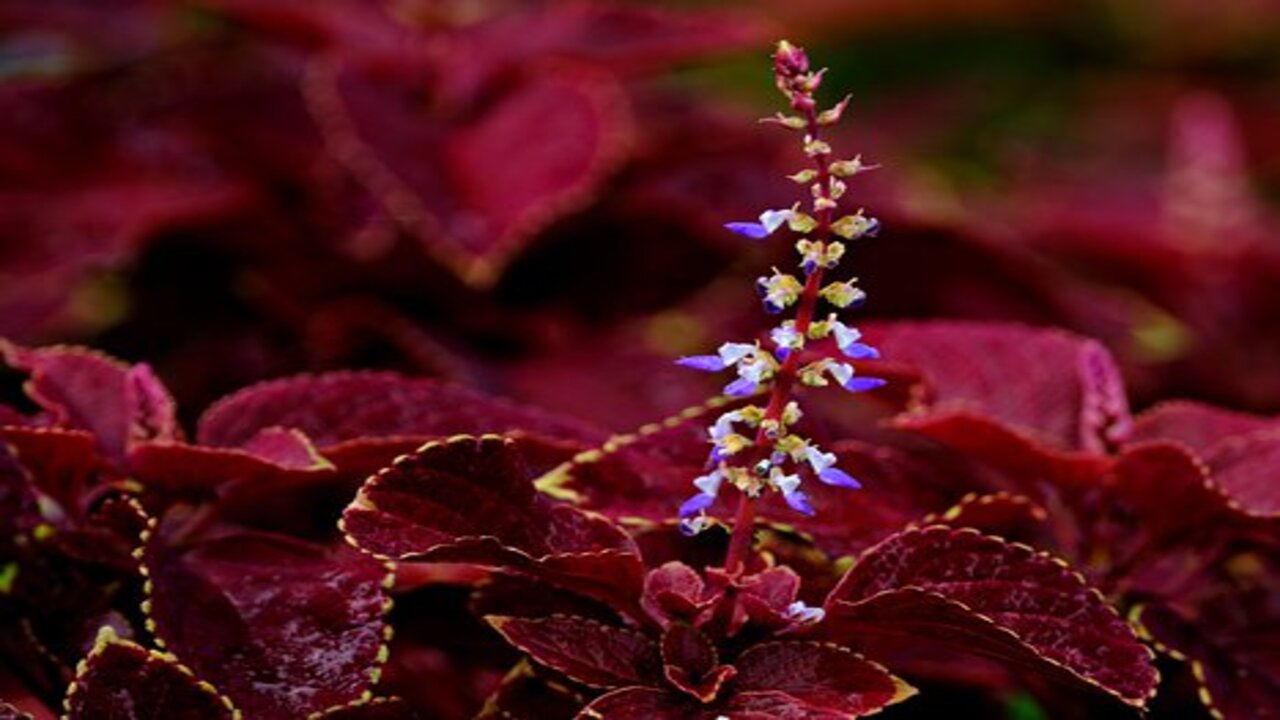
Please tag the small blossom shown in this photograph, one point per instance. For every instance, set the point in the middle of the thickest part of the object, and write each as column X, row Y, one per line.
column 812, row 254
column 696, row 504
column 803, row 177
column 843, row 294
column 779, row 291
column 789, row 485
column 731, row 353
column 802, row 614
column 852, row 227
column 693, row 525
column 849, row 168
column 770, row 220
column 705, row 363
column 847, row 340
column 833, row 115
column 786, row 338
column 843, row 374
column 741, row 388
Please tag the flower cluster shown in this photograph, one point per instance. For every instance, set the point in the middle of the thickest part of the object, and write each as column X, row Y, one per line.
column 756, row 448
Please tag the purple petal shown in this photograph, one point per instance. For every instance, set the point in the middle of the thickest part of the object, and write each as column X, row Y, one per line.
column 696, row 504
column 781, row 353
column 799, row 502
column 755, row 231
column 862, row 384
column 838, row 478
column 706, row 363
column 860, row 351
column 741, row 387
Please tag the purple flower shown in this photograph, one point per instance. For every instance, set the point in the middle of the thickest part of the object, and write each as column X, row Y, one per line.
column 839, row 478
column 706, row 363
column 770, row 220
column 742, row 387
column 863, row 384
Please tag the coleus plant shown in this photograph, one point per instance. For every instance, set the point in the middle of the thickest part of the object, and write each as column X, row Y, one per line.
column 205, row 579
column 640, row 625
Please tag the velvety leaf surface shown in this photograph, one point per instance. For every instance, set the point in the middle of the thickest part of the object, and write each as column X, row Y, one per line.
column 1053, row 387
column 957, row 586
column 443, row 192
column 342, row 406
column 472, row 500
column 588, row 651
column 1196, row 425
column 85, row 390
column 1246, row 468
column 283, row 627
column 820, row 677
column 120, row 680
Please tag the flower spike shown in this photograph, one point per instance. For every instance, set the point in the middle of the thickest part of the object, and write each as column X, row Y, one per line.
column 757, row 450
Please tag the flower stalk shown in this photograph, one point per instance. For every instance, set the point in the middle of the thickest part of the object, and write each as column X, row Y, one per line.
column 771, row 456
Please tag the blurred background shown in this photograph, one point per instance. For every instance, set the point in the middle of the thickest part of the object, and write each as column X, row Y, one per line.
column 528, row 196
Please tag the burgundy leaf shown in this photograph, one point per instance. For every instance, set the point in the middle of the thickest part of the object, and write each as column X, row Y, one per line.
column 380, row 708
column 691, row 663
column 443, row 190
column 524, row 695
column 673, row 591
column 283, row 627
column 348, row 406
column 1225, row 621
column 985, row 595
column 1003, row 514
column 472, row 500
column 85, row 390
column 588, row 651
column 1068, row 393
column 645, row 703
column 820, row 677
column 119, row 679
column 1245, row 467
column 1196, row 425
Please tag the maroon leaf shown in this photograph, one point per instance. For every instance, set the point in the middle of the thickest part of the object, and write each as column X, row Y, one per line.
column 819, row 677
column 1067, row 395
column 984, row 595
column 1198, row 426
column 85, row 390
column 1225, row 621
column 9, row 712
column 472, row 500
column 283, row 627
column 444, row 191
column 691, row 663
column 524, row 695
column 347, row 406
column 1245, row 467
column 119, row 679
column 588, row 651
column 674, row 591
column 644, row 703
column 381, row 708
column 1002, row 514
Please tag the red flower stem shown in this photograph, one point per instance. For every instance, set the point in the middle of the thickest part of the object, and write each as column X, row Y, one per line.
column 784, row 379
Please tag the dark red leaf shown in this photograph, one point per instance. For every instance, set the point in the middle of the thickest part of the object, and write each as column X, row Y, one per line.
column 472, row 500
column 86, row 390
column 1002, row 514
column 644, row 703
column 283, row 627
column 9, row 712
column 347, row 406
column 819, row 677
column 588, row 651
column 984, row 595
column 673, row 591
column 1068, row 393
column 1225, row 621
column 380, row 708
column 691, row 663
column 1246, row 467
column 443, row 190
column 118, row 680
column 524, row 695
column 1196, row 425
